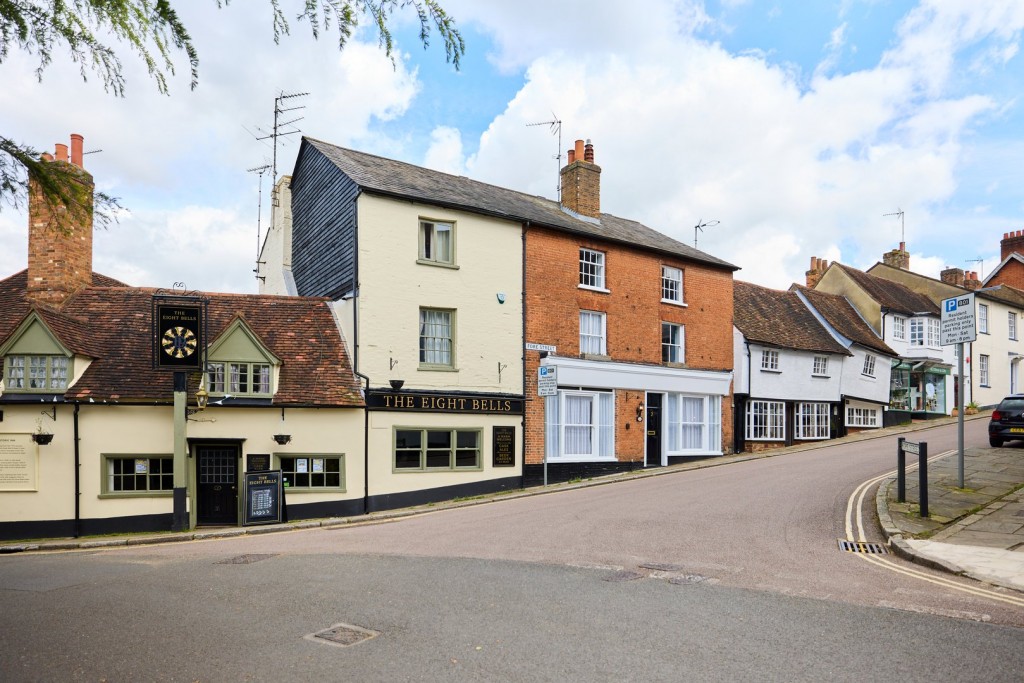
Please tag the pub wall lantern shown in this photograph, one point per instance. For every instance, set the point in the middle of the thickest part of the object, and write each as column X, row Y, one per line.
column 640, row 412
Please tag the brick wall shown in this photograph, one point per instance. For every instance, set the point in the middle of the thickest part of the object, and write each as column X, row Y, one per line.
column 634, row 316
column 1012, row 274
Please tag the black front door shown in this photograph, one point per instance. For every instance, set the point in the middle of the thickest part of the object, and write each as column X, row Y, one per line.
column 217, row 485
column 653, row 430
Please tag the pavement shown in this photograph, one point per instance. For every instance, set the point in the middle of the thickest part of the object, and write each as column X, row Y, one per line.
column 976, row 531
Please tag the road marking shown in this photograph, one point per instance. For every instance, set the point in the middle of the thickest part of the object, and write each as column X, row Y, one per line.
column 855, row 517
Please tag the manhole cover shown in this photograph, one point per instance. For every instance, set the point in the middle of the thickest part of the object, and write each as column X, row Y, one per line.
column 687, row 579
column 624, row 575
column 342, row 635
column 662, row 567
column 862, row 547
column 246, row 559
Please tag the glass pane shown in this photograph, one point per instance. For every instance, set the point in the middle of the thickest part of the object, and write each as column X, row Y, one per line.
column 439, row 439
column 466, row 439
column 467, row 458
column 408, row 438
column 332, row 479
column 407, row 460
column 439, row 458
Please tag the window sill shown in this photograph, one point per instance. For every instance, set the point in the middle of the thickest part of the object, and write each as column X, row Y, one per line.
column 438, row 264
column 774, row 372
column 680, row 304
column 436, row 368
column 595, row 356
column 435, row 470
column 674, row 364
column 821, row 376
column 136, row 494
column 318, row 489
column 864, row 374
column 602, row 290
column 581, row 458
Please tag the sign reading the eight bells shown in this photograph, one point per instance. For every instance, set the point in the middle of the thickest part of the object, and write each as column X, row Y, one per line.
column 179, row 336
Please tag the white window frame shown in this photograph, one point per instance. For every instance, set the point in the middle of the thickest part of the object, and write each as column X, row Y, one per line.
column 983, row 369
column 592, row 269
column 593, row 342
column 899, row 328
column 917, row 331
column 859, row 416
column 428, row 242
column 673, row 343
column 820, row 367
column 869, row 365
column 1011, row 325
column 672, row 285
column 436, row 349
column 765, row 421
column 770, row 360
column 983, row 318
column 601, row 425
column 812, row 421
column 692, row 429
column 933, row 327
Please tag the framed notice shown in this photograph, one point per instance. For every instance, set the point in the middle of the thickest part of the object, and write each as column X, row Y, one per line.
column 263, row 498
column 18, row 463
column 257, row 462
column 503, row 451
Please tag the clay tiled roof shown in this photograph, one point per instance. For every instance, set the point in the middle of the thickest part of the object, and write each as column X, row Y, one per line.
column 398, row 179
column 777, row 318
column 113, row 325
column 842, row 316
column 891, row 295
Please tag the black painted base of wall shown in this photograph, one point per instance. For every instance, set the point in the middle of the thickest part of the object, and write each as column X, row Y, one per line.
column 65, row 528
column 392, row 501
column 533, row 475
column 331, row 508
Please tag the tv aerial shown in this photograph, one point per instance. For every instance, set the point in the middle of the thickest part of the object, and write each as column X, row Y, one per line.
column 259, row 215
column 701, row 224
column 555, row 126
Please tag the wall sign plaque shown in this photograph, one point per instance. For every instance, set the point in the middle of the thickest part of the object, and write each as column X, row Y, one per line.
column 503, row 451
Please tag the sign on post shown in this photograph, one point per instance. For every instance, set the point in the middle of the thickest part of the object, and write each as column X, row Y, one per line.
column 547, row 380
column 958, row 324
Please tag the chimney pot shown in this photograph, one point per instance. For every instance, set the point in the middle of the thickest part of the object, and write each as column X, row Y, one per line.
column 579, row 150
column 572, row 155
column 61, row 152
column 588, row 152
column 76, row 149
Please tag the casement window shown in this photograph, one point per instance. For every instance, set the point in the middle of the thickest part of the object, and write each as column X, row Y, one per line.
column 770, row 360
column 820, row 366
column 437, row 344
column 933, row 333
column 580, row 425
column 591, row 269
column 766, row 420
column 917, row 331
column 812, row 421
column 899, row 328
column 593, row 333
column 1011, row 323
column 861, row 417
column 437, row 242
column 694, row 424
column 313, row 472
column 436, row 449
column 138, row 474
column 239, row 379
column 983, row 318
column 36, row 373
column 671, row 285
column 983, row 370
column 869, row 365
column 673, row 344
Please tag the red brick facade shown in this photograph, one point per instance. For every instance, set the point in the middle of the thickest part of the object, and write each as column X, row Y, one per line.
column 634, row 313
column 1011, row 274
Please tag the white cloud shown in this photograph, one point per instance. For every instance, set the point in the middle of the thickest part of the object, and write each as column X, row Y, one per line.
column 445, row 151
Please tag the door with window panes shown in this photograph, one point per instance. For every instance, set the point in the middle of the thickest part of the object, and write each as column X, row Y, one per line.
column 217, row 484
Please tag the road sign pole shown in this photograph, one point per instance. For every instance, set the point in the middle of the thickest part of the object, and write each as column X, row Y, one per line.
column 960, row 413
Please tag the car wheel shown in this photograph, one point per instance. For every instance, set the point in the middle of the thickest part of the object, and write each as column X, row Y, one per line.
column 995, row 442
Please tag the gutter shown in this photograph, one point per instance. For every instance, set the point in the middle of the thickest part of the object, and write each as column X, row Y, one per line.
column 78, row 475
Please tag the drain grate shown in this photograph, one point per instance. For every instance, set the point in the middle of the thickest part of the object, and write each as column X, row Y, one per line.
column 342, row 635
column 246, row 559
column 862, row 547
column 624, row 575
column 662, row 567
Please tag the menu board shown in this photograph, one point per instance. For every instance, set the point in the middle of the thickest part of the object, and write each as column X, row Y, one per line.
column 262, row 498
column 503, row 454
column 18, row 463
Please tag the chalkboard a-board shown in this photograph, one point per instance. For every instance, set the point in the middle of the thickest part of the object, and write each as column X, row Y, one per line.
column 262, row 497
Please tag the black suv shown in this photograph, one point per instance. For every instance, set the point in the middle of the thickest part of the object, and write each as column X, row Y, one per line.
column 1007, row 421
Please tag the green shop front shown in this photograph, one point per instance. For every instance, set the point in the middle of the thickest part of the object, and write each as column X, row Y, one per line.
column 921, row 388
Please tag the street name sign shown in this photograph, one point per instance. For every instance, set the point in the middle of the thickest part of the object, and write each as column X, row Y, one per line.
column 912, row 447
column 958, row 324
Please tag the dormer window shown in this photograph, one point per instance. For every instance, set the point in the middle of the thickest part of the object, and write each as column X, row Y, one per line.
column 239, row 379
column 36, row 373
column 240, row 365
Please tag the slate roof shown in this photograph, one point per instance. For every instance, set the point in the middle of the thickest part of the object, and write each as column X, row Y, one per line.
column 894, row 296
column 113, row 326
column 398, row 179
column 778, row 318
column 841, row 315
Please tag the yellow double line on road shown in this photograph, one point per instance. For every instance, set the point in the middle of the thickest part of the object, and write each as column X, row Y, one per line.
column 855, row 516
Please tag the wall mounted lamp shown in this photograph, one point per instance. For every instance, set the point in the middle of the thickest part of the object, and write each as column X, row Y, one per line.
column 640, row 412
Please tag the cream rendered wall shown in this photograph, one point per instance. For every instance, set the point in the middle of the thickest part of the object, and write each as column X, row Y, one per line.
column 276, row 253
column 1002, row 351
column 384, row 479
column 393, row 286
column 140, row 431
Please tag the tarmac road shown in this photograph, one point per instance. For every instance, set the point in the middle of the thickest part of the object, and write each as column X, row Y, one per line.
column 744, row 581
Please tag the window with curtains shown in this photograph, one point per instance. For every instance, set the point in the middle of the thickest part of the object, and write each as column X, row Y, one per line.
column 812, row 421
column 239, row 379
column 37, row 373
column 592, row 333
column 694, row 424
column 437, row 242
column 580, row 425
column 437, row 344
column 766, row 420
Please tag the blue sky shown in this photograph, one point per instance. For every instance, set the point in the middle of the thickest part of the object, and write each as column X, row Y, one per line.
column 797, row 125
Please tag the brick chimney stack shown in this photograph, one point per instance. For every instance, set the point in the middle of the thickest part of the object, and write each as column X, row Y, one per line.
column 953, row 276
column 1012, row 242
column 60, row 256
column 971, row 280
column 581, row 181
column 818, row 268
column 897, row 258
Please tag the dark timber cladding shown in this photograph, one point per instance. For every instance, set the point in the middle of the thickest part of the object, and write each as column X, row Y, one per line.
column 323, row 227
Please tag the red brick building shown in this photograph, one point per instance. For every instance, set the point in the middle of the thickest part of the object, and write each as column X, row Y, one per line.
column 637, row 329
column 1010, row 270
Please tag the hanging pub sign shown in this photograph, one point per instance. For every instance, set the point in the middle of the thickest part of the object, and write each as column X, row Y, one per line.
column 178, row 337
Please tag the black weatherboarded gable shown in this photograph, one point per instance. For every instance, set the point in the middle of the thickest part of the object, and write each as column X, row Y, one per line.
column 323, row 226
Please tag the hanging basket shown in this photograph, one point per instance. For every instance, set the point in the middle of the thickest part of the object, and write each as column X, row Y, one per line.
column 42, row 439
